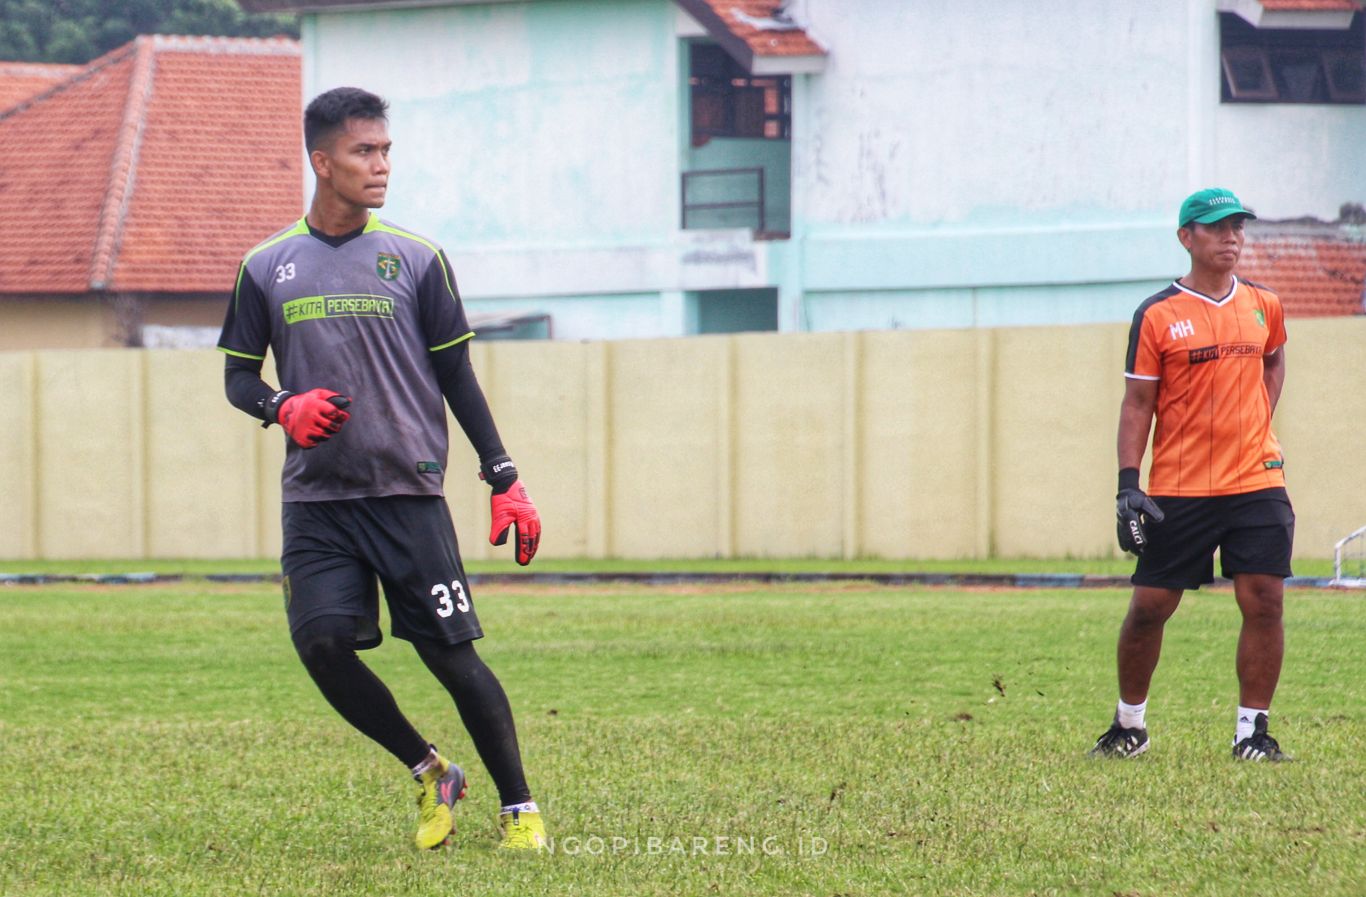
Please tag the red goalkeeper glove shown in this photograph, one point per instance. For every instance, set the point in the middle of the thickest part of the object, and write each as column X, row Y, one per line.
column 310, row 418
column 511, row 507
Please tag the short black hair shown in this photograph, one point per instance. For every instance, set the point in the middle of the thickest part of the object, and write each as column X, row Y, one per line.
column 328, row 112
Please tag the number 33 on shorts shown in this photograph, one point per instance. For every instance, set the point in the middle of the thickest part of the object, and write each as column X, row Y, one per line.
column 444, row 606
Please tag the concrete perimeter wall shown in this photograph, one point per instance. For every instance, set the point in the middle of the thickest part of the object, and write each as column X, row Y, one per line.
column 896, row 444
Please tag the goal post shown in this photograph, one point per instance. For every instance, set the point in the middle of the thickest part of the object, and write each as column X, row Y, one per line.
column 1349, row 561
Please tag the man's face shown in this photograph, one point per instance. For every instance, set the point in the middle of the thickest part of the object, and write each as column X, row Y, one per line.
column 357, row 162
column 1216, row 246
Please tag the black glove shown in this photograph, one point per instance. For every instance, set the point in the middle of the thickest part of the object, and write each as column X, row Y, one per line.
column 1134, row 509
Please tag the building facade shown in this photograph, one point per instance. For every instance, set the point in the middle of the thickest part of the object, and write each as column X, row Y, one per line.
column 645, row 168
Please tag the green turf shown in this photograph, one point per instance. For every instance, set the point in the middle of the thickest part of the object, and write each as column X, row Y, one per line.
column 163, row 740
column 1090, row 566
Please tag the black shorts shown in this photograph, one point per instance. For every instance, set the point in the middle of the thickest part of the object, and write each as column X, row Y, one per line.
column 335, row 550
column 1254, row 533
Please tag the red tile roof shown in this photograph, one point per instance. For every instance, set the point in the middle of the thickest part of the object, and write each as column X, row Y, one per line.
column 20, row 81
column 153, row 168
column 1318, row 270
column 742, row 17
column 1310, row 5
column 748, row 29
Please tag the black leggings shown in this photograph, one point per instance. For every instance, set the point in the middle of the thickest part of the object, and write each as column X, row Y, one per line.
column 327, row 647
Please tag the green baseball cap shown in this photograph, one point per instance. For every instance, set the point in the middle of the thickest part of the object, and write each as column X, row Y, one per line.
column 1209, row 206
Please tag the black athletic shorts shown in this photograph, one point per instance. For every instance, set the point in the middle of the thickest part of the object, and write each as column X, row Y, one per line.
column 335, row 550
column 1254, row 533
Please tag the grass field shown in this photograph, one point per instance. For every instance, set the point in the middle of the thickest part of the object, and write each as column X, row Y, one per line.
column 1121, row 566
column 798, row 739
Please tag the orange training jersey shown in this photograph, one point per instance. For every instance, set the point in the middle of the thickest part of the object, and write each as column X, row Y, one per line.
column 1213, row 433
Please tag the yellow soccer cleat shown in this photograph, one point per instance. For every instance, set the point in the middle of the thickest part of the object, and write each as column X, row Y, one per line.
column 521, row 831
column 438, row 790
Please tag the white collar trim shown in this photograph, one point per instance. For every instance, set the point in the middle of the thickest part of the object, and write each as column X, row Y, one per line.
column 1212, row 301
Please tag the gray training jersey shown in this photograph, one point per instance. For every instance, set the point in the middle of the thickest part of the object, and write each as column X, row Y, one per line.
column 360, row 318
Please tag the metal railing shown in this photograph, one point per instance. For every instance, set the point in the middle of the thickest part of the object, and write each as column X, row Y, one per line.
column 712, row 183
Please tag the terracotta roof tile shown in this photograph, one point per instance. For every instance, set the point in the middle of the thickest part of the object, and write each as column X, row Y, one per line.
column 153, row 168
column 1310, row 5
column 20, row 81
column 742, row 15
column 1315, row 273
column 54, row 179
column 742, row 27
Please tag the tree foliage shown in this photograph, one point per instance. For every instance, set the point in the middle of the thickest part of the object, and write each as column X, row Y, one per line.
column 76, row 31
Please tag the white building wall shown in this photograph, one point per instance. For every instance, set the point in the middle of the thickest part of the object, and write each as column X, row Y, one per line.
column 981, row 161
column 1006, row 161
column 996, row 112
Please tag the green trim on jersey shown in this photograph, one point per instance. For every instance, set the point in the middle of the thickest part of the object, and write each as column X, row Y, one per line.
column 454, row 342
column 300, row 228
column 374, row 224
column 241, row 354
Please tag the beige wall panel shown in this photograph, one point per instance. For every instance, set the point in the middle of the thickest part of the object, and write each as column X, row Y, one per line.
column 18, row 504
column 789, row 445
column 186, row 312
column 919, row 444
column 91, row 454
column 911, row 445
column 54, row 324
column 1057, row 405
column 1319, row 422
column 546, row 399
column 668, row 408
column 202, row 477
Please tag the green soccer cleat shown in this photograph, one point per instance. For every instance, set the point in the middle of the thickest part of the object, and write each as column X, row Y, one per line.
column 438, row 790
column 521, row 831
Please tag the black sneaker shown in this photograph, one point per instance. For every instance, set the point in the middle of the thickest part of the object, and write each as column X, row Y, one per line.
column 1120, row 742
column 1259, row 745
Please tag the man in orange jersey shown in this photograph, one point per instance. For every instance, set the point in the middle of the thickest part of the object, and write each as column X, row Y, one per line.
column 1205, row 358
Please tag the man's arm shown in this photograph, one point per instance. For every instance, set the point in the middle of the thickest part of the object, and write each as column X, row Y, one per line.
column 1273, row 375
column 510, row 507
column 243, row 341
column 245, row 388
column 1133, row 508
column 1135, row 420
column 455, row 376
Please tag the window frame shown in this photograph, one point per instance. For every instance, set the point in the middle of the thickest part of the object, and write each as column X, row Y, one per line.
column 731, row 87
column 1278, row 50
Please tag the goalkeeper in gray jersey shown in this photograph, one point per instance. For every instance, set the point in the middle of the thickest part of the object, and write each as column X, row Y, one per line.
column 370, row 342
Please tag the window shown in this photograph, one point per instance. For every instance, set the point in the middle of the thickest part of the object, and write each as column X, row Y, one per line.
column 734, row 311
column 728, row 101
column 1292, row 65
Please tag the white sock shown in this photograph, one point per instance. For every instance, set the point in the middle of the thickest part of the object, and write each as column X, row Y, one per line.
column 528, row 807
column 1131, row 715
column 427, row 764
column 1247, row 716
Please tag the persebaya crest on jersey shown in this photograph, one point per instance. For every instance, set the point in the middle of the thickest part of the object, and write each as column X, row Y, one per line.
column 387, row 266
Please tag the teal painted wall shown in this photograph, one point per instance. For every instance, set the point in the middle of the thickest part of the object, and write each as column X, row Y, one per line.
column 1005, row 306
column 733, row 311
column 773, row 156
column 968, row 164
column 549, row 121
